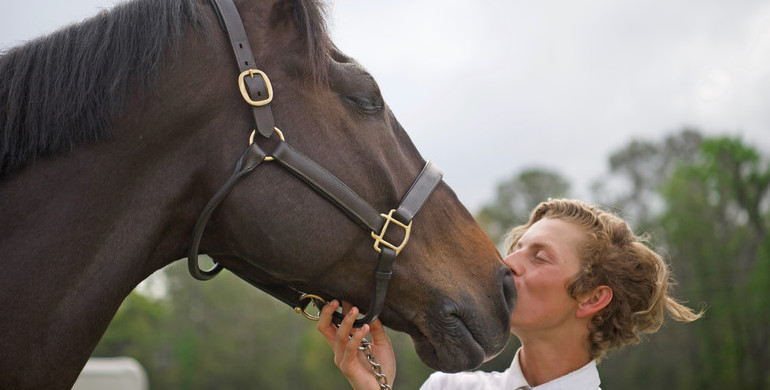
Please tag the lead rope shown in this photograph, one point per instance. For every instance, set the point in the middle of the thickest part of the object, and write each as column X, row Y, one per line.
column 382, row 379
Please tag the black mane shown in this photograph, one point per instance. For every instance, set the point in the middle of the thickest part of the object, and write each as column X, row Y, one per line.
column 63, row 89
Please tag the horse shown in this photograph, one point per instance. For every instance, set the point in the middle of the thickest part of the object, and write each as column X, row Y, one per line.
column 116, row 132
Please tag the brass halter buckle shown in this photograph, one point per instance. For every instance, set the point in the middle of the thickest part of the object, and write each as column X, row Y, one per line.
column 379, row 238
column 245, row 93
column 315, row 300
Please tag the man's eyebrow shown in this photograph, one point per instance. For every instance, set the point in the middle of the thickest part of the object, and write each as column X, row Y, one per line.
column 535, row 244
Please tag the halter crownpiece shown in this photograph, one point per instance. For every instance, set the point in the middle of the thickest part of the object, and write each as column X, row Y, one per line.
column 318, row 178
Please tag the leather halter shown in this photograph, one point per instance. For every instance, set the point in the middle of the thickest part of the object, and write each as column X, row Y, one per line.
column 258, row 93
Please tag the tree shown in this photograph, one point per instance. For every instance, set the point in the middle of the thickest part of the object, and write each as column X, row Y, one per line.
column 716, row 218
column 711, row 219
column 638, row 170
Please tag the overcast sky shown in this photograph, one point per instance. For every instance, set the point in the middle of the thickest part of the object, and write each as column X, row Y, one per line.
column 488, row 88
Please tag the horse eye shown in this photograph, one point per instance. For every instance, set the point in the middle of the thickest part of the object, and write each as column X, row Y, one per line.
column 356, row 87
column 369, row 105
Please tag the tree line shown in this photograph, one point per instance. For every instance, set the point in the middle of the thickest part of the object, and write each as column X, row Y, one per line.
column 704, row 201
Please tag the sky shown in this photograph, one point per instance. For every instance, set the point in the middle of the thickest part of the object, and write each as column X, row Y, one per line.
column 490, row 88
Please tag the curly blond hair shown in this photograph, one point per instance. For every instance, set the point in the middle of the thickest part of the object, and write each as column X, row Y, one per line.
column 612, row 255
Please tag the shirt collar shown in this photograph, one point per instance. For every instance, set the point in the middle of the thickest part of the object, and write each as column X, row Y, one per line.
column 515, row 378
column 586, row 377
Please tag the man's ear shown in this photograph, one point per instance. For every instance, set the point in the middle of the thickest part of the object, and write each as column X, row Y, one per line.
column 594, row 302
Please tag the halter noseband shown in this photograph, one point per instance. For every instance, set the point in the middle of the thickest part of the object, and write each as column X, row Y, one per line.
column 258, row 93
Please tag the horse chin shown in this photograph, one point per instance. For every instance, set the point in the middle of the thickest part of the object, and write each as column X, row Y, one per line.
column 447, row 345
column 450, row 355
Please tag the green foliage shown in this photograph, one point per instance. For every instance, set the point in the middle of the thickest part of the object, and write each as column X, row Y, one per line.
column 132, row 330
column 716, row 219
column 713, row 226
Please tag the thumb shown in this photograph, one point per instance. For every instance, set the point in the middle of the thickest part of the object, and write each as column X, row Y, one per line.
column 383, row 350
column 378, row 333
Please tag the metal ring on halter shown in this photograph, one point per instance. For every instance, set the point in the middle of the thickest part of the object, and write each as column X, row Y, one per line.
column 277, row 131
column 314, row 299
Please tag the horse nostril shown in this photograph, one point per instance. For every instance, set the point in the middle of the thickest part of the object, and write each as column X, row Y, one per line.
column 509, row 288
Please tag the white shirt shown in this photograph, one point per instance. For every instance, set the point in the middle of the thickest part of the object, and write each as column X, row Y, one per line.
column 584, row 378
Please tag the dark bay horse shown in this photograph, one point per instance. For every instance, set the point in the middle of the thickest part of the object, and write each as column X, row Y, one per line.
column 116, row 132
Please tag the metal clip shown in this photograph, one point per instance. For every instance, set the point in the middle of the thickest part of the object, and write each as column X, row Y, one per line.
column 314, row 299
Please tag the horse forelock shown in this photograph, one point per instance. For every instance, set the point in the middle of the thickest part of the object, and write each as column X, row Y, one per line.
column 310, row 16
column 63, row 89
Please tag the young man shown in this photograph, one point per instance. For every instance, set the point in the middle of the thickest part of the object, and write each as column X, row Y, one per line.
column 585, row 284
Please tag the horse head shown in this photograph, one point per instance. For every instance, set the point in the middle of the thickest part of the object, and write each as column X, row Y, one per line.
column 449, row 290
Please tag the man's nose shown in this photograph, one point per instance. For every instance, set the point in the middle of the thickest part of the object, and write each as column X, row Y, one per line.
column 513, row 262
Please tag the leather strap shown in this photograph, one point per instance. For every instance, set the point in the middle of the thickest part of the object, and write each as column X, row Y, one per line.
column 249, row 160
column 230, row 19
column 293, row 297
column 329, row 186
column 346, row 199
column 418, row 194
column 382, row 275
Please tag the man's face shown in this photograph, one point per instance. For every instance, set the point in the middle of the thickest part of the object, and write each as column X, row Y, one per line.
column 543, row 263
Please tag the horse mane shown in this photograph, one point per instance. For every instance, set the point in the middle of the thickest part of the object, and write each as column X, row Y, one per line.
column 63, row 89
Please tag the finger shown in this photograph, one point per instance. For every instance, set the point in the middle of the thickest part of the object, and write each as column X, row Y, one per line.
column 325, row 326
column 325, row 318
column 383, row 349
column 378, row 333
column 351, row 356
column 344, row 331
column 356, row 338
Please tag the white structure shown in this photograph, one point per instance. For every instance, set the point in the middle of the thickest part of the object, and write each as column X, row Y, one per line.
column 121, row 373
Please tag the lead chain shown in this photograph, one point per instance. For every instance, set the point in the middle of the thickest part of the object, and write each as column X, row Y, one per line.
column 382, row 379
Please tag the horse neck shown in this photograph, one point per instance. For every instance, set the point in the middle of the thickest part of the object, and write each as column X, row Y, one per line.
column 80, row 231
column 78, row 234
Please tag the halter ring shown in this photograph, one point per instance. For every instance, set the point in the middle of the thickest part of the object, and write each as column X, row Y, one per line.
column 314, row 299
column 277, row 131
